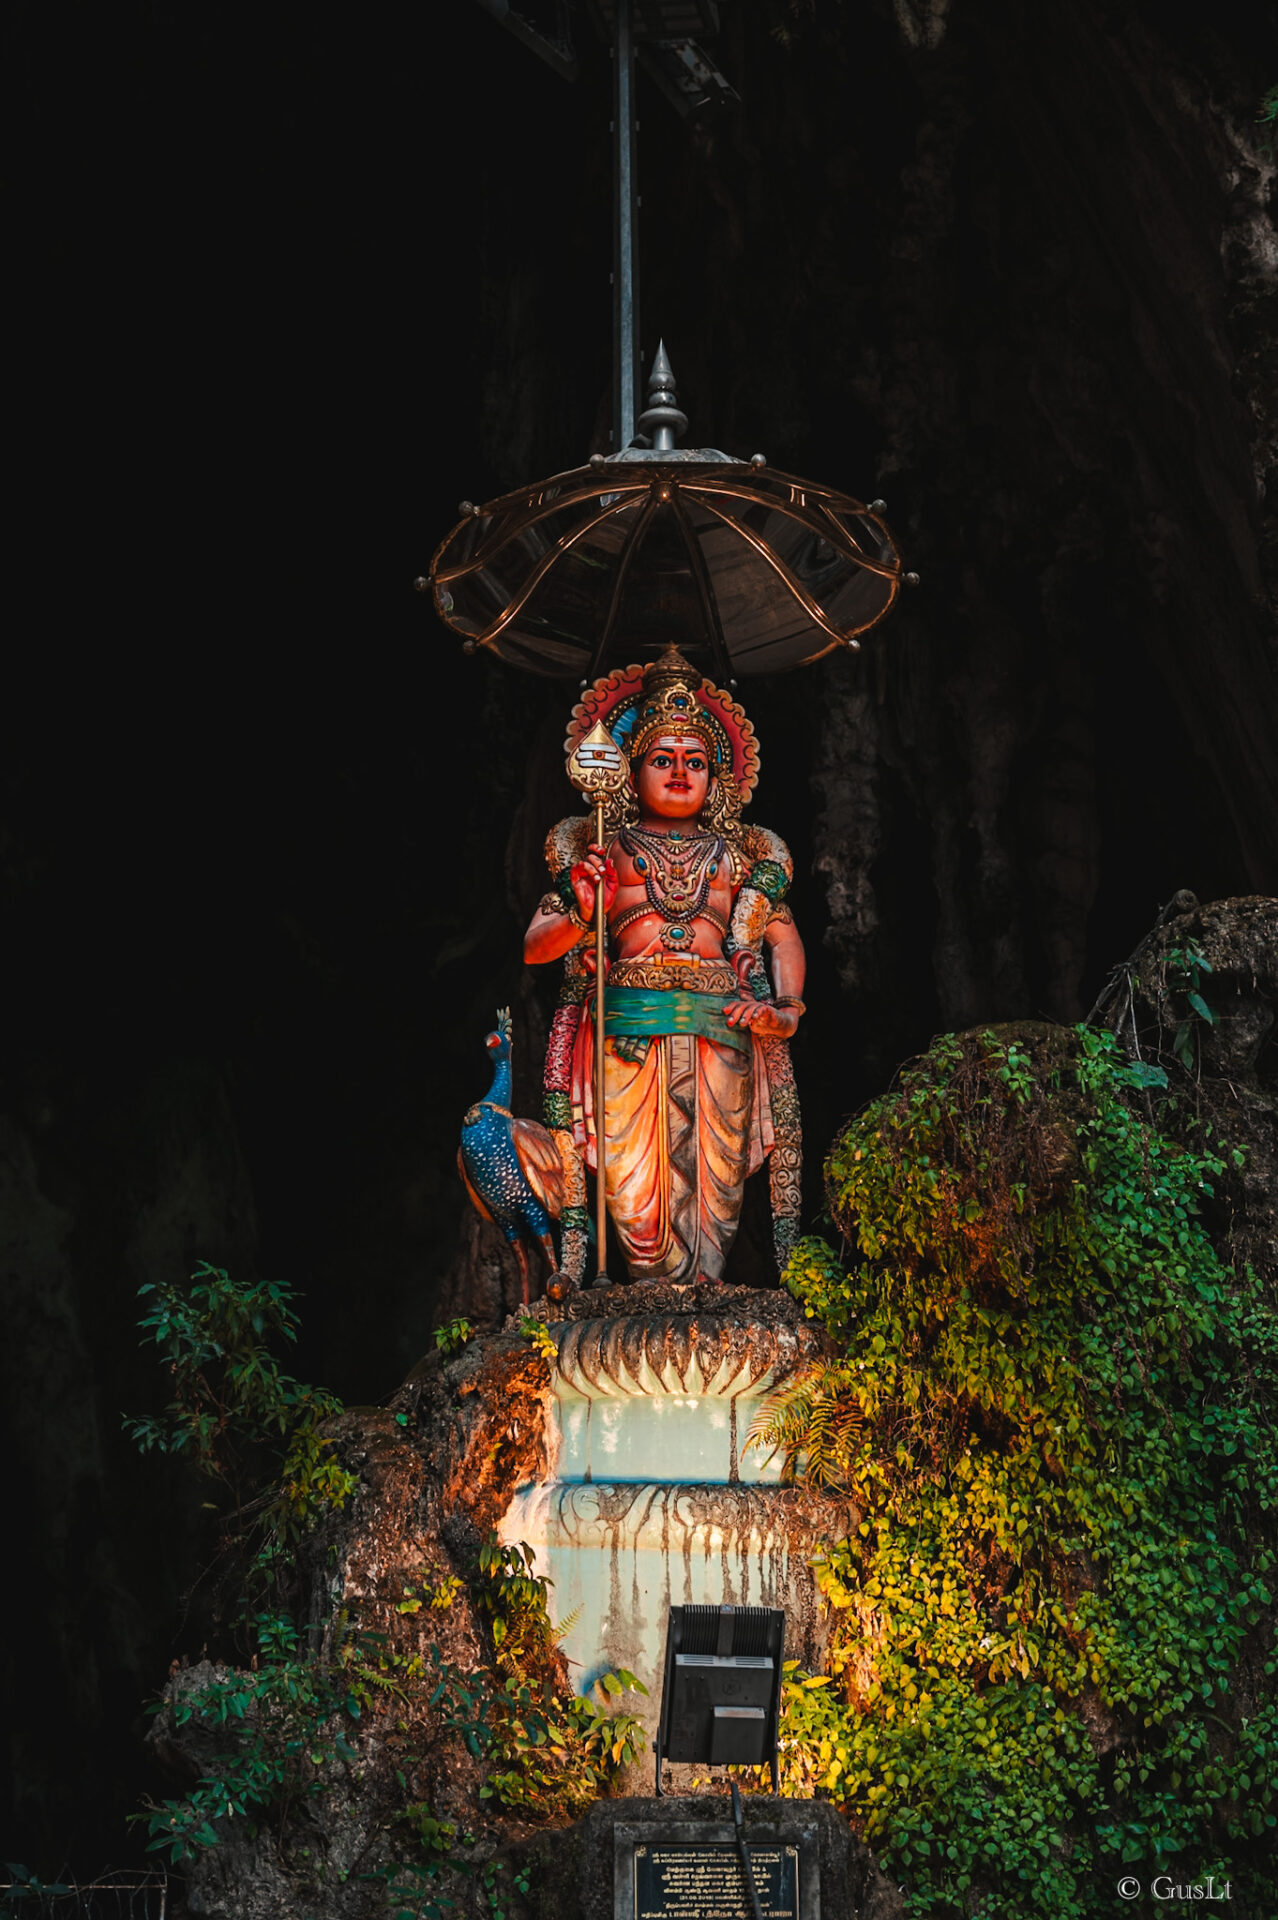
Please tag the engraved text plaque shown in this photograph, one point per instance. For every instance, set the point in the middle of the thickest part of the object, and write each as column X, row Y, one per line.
column 704, row 1882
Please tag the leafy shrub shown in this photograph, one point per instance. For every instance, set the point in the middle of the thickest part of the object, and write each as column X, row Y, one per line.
column 236, row 1415
column 1053, row 1407
column 288, row 1723
column 538, row 1334
column 553, row 1751
column 453, row 1336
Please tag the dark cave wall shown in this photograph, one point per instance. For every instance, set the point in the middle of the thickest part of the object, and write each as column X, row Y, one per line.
column 1060, row 374
column 269, row 841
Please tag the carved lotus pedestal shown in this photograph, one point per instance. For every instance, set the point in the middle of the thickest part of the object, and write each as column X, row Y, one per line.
column 649, row 1493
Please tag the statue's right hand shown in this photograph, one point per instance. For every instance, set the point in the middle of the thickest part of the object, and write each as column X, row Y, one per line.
column 586, row 875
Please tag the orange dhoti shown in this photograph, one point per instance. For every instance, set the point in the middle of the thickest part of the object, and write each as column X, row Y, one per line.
column 684, row 1124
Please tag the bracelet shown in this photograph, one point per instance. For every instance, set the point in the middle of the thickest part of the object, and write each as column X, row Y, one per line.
column 553, row 903
column 790, row 1000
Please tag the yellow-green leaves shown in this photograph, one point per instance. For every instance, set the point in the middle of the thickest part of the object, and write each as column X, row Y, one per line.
column 1060, row 1432
column 539, row 1336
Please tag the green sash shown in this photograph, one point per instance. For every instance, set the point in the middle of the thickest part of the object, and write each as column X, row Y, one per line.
column 634, row 1010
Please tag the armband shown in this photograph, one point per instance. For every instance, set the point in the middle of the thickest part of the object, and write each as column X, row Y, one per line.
column 769, row 878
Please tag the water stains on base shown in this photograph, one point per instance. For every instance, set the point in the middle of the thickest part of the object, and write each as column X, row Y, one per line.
column 653, row 1498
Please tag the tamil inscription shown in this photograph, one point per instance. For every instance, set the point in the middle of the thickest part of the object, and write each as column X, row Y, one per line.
column 703, row 1881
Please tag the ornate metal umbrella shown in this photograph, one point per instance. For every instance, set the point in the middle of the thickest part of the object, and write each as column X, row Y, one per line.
column 749, row 570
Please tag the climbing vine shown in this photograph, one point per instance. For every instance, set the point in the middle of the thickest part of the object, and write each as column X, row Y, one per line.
column 1053, row 1407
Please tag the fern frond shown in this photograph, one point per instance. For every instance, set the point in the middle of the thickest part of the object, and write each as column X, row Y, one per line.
column 814, row 1421
column 562, row 1628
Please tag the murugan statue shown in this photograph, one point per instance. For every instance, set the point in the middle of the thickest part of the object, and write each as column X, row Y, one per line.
column 704, row 983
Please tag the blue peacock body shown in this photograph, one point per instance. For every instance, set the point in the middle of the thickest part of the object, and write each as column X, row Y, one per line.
column 511, row 1167
column 489, row 1156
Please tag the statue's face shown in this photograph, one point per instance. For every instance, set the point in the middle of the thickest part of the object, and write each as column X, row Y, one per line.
column 673, row 777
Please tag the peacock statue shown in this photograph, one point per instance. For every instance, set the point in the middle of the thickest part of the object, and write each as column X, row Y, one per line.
column 511, row 1168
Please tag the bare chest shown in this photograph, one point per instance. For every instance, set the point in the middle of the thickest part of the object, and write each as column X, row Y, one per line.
column 676, row 875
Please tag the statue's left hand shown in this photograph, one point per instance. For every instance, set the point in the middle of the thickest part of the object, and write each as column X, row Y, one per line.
column 743, row 963
column 769, row 1022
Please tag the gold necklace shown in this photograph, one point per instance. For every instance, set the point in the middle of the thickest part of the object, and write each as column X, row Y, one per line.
column 677, row 873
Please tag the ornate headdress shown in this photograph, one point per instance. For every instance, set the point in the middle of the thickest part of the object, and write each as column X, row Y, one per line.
column 668, row 696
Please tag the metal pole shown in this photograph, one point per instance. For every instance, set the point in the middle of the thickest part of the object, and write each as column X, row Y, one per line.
column 747, row 1865
column 601, row 1151
column 625, row 272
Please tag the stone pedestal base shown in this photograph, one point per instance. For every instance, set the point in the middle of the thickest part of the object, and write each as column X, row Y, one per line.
column 588, row 1871
column 652, row 1494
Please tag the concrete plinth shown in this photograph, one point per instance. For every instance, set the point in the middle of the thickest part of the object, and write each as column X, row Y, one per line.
column 586, row 1871
column 653, row 1497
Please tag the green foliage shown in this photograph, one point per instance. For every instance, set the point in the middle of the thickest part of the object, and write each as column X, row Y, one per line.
column 290, row 1721
column 545, row 1753
column 235, row 1413
column 286, row 1722
column 512, row 1596
column 438, row 1595
column 289, row 1724
column 416, row 1891
column 547, row 1750
column 283, row 1731
column 1182, row 973
column 815, row 1276
column 814, row 1422
column 453, row 1335
column 1054, row 1410
column 538, row 1334
column 414, row 1888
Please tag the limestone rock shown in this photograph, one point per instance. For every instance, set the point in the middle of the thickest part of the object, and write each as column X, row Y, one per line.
column 437, row 1472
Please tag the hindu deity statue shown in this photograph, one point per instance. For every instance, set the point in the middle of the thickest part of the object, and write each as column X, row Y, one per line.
column 704, row 984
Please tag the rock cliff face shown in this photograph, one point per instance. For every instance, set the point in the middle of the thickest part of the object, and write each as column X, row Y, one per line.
column 434, row 1472
column 1234, row 1052
column 439, row 1472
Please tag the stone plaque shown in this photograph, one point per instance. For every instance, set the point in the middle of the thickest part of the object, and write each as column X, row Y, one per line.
column 679, row 1869
column 687, row 1881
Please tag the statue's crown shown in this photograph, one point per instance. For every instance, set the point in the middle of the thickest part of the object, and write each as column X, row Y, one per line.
column 669, row 704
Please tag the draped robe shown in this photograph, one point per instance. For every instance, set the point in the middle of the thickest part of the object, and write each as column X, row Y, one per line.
column 684, row 1125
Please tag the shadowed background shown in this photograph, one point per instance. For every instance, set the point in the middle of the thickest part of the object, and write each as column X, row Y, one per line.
column 294, row 280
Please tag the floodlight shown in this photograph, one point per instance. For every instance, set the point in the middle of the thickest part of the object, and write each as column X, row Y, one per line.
column 721, row 1695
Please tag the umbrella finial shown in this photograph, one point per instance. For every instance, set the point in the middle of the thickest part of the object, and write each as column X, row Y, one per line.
column 663, row 419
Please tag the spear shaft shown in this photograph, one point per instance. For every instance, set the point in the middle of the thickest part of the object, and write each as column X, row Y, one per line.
column 597, row 770
column 601, row 1151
